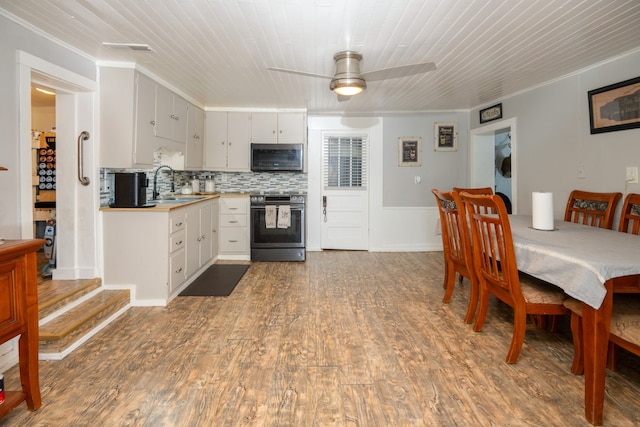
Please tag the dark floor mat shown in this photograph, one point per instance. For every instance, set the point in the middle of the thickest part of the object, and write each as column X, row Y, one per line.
column 219, row 280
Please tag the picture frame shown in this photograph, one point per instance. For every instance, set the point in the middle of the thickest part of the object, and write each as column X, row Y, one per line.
column 615, row 107
column 491, row 113
column 410, row 151
column 445, row 136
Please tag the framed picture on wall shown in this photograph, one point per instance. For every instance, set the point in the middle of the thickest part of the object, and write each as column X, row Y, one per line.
column 445, row 136
column 491, row 113
column 410, row 151
column 615, row 107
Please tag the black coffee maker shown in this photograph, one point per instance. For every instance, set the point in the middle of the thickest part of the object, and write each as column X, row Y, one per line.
column 130, row 190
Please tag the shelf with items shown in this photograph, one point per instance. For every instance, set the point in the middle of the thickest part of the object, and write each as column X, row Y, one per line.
column 43, row 180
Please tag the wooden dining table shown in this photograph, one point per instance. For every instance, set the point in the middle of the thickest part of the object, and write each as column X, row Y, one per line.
column 589, row 264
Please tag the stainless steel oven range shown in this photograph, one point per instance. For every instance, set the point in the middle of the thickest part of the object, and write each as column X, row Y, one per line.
column 277, row 227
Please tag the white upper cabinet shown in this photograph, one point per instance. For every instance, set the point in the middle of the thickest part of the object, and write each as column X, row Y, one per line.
column 195, row 138
column 171, row 115
column 145, row 120
column 272, row 128
column 227, row 141
column 127, row 116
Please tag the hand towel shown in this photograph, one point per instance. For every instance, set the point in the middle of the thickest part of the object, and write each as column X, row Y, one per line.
column 270, row 216
column 284, row 216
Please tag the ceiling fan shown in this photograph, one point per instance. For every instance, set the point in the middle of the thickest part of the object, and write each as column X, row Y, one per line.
column 349, row 81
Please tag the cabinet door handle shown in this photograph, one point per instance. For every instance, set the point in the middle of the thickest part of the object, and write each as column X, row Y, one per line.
column 232, row 222
column 152, row 122
column 204, row 237
column 179, row 224
column 179, row 270
column 179, row 243
column 233, row 241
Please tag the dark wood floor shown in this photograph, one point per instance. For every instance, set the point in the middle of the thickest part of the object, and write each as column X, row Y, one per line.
column 344, row 339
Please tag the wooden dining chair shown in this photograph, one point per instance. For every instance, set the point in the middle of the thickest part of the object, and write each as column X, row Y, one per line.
column 474, row 190
column 624, row 330
column 497, row 271
column 630, row 214
column 457, row 248
column 594, row 209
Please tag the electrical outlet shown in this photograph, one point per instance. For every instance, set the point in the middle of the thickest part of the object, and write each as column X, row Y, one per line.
column 632, row 175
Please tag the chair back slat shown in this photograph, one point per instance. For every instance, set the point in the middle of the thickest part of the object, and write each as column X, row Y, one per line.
column 593, row 209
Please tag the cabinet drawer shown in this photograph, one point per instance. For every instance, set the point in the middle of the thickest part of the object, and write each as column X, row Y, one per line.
column 233, row 205
column 177, row 270
column 176, row 241
column 234, row 240
column 233, row 221
column 177, row 222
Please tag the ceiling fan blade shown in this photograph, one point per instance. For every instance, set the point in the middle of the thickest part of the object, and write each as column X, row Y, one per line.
column 301, row 73
column 400, row 71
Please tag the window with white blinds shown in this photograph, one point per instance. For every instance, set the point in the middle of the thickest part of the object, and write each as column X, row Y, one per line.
column 345, row 161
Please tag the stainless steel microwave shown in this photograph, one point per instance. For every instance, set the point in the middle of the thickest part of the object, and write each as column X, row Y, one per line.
column 277, row 157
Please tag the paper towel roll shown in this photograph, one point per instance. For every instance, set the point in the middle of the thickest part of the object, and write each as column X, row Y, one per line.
column 542, row 208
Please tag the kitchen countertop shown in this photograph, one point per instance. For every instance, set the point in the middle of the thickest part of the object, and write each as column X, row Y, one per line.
column 167, row 206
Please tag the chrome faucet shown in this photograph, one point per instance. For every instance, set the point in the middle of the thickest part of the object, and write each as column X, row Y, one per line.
column 155, row 180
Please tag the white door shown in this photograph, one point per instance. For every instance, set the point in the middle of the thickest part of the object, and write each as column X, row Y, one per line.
column 345, row 194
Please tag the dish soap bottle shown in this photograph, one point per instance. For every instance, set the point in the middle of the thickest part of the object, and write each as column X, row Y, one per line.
column 209, row 185
column 195, row 184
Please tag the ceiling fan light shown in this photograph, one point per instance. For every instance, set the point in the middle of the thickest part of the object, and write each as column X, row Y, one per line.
column 348, row 87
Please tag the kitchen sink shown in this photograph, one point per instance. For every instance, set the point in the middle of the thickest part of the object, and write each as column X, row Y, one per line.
column 172, row 199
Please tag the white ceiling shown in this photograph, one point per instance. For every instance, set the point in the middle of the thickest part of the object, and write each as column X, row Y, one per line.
column 216, row 52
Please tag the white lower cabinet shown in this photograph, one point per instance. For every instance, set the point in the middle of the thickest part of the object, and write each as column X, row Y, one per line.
column 234, row 228
column 156, row 253
column 177, row 252
column 199, row 236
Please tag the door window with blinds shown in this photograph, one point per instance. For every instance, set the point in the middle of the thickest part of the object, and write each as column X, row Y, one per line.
column 345, row 161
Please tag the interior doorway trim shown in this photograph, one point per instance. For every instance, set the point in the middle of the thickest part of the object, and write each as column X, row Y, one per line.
column 59, row 78
column 77, row 225
column 478, row 135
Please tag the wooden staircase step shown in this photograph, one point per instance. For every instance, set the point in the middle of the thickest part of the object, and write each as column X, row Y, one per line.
column 55, row 294
column 63, row 331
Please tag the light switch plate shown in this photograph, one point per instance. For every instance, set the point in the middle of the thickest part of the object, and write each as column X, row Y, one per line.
column 632, row 175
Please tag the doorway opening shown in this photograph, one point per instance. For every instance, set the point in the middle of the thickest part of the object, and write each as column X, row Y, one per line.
column 493, row 159
column 43, row 146
column 76, row 206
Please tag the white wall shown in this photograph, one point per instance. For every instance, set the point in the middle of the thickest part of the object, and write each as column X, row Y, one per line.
column 554, row 137
column 391, row 228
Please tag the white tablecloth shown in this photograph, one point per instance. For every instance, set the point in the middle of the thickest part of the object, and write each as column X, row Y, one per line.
column 577, row 258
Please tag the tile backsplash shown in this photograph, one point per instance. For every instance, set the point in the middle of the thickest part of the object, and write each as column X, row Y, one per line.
column 225, row 182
